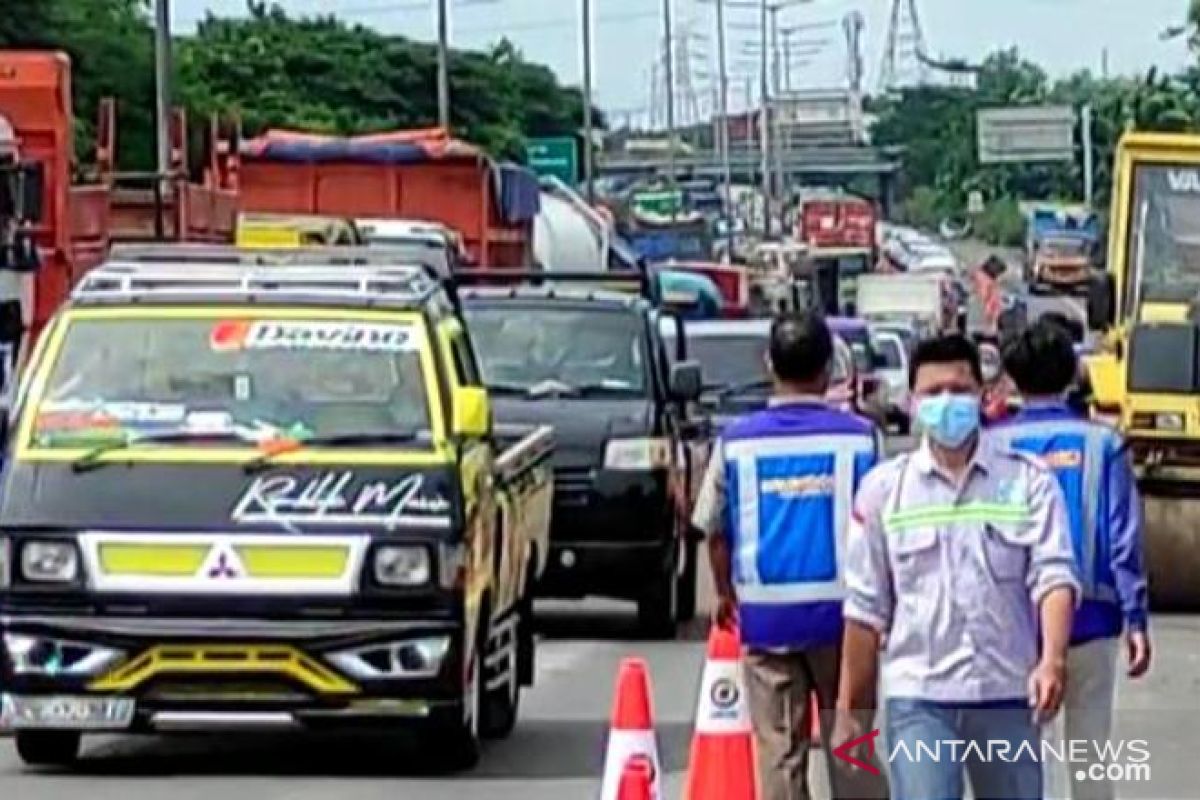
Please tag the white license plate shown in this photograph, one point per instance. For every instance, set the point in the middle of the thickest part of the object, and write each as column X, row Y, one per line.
column 22, row 712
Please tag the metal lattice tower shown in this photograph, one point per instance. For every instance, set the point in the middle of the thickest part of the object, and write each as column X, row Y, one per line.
column 904, row 53
column 852, row 25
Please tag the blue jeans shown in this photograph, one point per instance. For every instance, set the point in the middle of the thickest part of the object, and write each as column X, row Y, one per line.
column 930, row 744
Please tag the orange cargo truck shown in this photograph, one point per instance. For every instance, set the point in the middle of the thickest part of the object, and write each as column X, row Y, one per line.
column 79, row 221
column 416, row 174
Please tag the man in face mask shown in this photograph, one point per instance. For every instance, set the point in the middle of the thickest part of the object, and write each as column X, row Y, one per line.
column 957, row 555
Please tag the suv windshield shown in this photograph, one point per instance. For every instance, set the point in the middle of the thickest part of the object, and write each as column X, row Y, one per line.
column 887, row 350
column 522, row 348
column 222, row 379
column 730, row 361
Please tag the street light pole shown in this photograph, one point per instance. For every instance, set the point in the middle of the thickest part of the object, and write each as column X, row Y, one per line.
column 669, row 71
column 443, row 64
column 777, row 95
column 764, row 121
column 588, row 169
column 162, row 78
column 723, row 111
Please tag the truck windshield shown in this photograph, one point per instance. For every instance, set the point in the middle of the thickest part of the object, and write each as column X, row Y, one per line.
column 230, row 379
column 887, row 350
column 732, row 361
column 1164, row 233
column 525, row 347
column 1064, row 248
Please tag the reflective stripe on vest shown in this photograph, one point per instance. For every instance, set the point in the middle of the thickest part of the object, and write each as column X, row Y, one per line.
column 1091, row 487
column 744, row 457
column 923, row 516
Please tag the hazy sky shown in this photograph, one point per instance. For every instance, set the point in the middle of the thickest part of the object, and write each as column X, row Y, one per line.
column 1062, row 35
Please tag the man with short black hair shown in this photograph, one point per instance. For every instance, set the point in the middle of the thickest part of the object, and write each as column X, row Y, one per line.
column 956, row 553
column 774, row 505
column 1089, row 460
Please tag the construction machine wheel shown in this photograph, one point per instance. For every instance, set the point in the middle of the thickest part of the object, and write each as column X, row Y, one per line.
column 1172, row 530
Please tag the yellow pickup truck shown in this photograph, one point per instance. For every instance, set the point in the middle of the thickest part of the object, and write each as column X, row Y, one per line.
column 268, row 497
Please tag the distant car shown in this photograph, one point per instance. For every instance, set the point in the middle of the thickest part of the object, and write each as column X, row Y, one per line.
column 892, row 359
column 869, row 396
column 731, row 355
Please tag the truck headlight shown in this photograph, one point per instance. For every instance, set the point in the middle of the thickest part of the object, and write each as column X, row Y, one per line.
column 402, row 565
column 49, row 562
column 1169, row 422
column 637, row 455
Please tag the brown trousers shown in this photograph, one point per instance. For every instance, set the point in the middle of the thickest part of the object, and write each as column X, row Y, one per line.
column 778, row 686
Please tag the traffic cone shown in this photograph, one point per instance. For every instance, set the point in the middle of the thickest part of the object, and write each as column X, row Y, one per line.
column 632, row 730
column 722, row 761
column 637, row 780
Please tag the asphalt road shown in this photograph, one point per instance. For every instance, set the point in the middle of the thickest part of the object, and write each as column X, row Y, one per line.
column 557, row 750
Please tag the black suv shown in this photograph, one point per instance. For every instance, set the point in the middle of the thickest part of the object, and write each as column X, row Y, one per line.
column 591, row 362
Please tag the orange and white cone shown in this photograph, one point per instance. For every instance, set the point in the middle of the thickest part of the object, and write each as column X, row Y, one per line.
column 722, row 760
column 637, row 780
column 632, row 730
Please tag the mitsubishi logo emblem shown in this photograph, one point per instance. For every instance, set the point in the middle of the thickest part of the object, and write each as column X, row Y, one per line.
column 223, row 564
column 222, row 568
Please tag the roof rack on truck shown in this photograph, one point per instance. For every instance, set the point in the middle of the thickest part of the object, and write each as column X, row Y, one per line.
column 322, row 275
column 645, row 281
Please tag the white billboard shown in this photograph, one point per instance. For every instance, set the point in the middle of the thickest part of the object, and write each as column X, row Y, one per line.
column 1024, row 134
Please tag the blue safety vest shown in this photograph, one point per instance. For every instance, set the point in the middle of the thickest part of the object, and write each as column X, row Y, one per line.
column 1079, row 452
column 790, row 476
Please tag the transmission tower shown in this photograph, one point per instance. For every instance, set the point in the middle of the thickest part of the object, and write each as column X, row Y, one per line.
column 686, row 98
column 904, row 59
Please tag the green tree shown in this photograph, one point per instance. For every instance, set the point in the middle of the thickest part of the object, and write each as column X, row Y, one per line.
column 111, row 47
column 935, row 127
column 323, row 75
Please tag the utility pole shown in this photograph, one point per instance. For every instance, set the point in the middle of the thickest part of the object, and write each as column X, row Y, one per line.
column 787, row 63
column 776, row 95
column 1088, row 157
column 162, row 79
column 764, row 120
column 723, row 112
column 654, row 104
column 443, row 64
column 588, row 170
column 669, row 66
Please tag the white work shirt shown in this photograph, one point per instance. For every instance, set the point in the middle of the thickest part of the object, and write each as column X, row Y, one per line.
column 952, row 574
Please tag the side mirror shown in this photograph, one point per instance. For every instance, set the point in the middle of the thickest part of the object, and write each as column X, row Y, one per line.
column 687, row 381
column 1101, row 303
column 472, row 412
column 33, row 191
column 21, row 191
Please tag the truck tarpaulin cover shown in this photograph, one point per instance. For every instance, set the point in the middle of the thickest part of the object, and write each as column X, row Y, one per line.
column 516, row 189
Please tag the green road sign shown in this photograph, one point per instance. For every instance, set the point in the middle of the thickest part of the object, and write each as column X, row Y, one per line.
column 658, row 203
column 557, row 156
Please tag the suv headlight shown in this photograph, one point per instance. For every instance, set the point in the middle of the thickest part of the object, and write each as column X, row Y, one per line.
column 637, row 455
column 402, row 565
column 5, row 562
column 49, row 562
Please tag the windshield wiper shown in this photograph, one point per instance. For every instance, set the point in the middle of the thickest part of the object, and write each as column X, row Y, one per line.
column 264, row 460
column 92, row 458
column 508, row 389
column 606, row 387
column 743, row 387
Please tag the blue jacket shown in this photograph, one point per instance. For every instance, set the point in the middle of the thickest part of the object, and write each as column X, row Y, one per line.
column 1104, row 508
column 791, row 472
